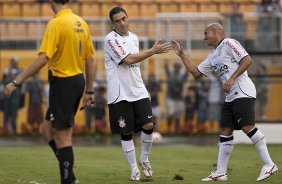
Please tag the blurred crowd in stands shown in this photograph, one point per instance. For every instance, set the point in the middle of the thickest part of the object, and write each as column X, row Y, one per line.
column 190, row 107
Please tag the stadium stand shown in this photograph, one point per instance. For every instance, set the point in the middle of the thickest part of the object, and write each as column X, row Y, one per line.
column 136, row 8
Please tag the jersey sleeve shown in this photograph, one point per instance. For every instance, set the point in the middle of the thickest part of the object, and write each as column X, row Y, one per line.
column 236, row 50
column 50, row 40
column 205, row 67
column 115, row 49
column 89, row 46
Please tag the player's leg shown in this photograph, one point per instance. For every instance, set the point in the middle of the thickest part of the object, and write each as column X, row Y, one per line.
column 258, row 139
column 144, row 119
column 225, row 149
column 122, row 122
column 225, row 145
column 245, row 115
column 129, row 152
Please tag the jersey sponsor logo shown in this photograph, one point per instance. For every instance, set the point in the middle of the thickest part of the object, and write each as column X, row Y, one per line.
column 120, row 47
column 220, row 70
column 78, row 23
column 121, row 122
column 113, row 49
column 238, row 43
column 233, row 48
column 78, row 30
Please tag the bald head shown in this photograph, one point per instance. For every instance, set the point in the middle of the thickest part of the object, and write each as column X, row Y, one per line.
column 217, row 28
column 214, row 33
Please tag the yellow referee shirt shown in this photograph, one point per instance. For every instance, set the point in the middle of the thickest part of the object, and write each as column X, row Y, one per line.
column 67, row 43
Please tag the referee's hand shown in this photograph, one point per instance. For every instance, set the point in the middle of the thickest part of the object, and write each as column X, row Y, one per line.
column 88, row 99
column 9, row 88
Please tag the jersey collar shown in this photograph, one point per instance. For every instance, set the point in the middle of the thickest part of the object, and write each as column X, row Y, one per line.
column 219, row 42
column 64, row 11
column 119, row 33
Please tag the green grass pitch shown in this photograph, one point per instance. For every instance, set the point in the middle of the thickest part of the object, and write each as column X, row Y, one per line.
column 107, row 165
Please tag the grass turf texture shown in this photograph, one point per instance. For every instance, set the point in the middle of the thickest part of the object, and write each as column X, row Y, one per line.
column 103, row 165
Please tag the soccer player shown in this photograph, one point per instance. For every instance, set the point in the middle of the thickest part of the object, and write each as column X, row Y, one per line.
column 230, row 61
column 67, row 48
column 128, row 100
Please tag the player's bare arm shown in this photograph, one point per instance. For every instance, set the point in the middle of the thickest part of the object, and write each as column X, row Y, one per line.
column 158, row 48
column 245, row 63
column 177, row 47
column 37, row 64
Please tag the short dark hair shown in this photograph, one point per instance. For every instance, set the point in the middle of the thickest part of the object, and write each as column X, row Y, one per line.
column 62, row 1
column 116, row 10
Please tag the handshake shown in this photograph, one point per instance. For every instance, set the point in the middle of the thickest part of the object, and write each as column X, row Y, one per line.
column 159, row 48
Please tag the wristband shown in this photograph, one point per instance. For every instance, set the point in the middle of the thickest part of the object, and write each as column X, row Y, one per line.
column 15, row 83
column 89, row 92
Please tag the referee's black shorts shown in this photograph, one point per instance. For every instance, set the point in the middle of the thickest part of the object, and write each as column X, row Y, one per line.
column 64, row 98
column 238, row 113
column 128, row 117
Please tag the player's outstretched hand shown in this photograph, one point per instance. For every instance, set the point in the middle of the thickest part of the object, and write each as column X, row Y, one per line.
column 160, row 48
column 9, row 88
column 177, row 47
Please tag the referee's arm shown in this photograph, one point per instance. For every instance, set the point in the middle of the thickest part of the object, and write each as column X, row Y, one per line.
column 32, row 69
column 89, row 73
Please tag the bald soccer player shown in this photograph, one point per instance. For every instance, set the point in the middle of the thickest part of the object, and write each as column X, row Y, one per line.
column 230, row 61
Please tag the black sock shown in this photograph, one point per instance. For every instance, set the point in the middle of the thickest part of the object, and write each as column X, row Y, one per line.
column 66, row 164
column 53, row 146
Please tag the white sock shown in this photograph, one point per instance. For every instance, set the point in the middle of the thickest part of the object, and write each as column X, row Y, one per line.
column 129, row 152
column 260, row 144
column 146, row 144
column 225, row 149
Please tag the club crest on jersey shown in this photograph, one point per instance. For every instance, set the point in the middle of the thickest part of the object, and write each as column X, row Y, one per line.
column 121, row 122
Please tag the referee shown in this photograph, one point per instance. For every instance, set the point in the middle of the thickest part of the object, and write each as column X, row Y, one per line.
column 68, row 50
